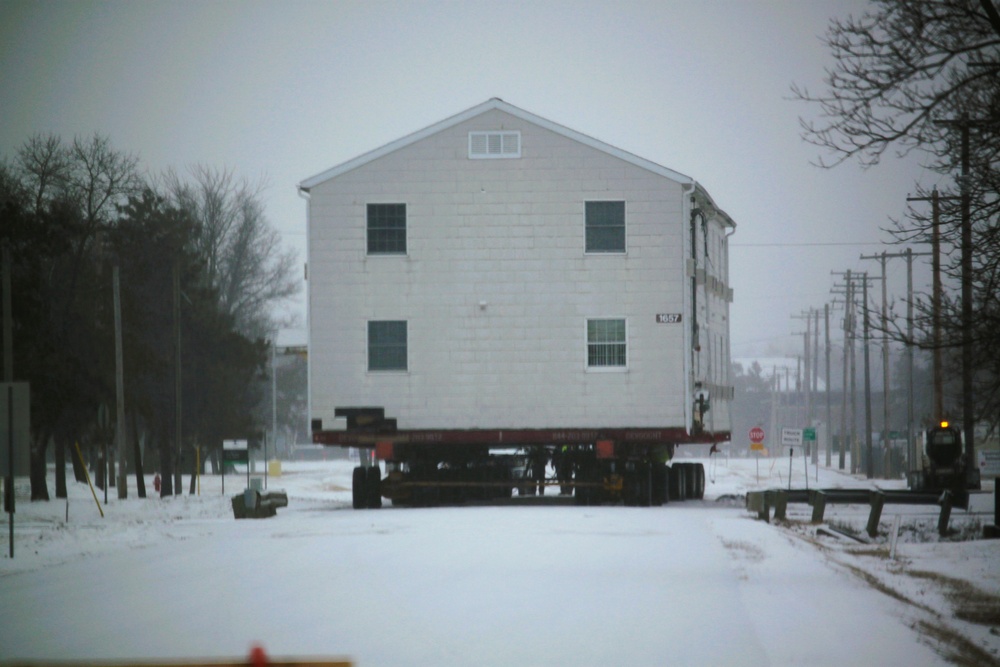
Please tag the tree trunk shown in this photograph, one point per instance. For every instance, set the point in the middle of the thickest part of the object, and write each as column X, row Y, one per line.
column 78, row 466
column 100, row 468
column 140, row 481
column 166, row 464
column 39, row 484
column 195, row 462
column 61, row 467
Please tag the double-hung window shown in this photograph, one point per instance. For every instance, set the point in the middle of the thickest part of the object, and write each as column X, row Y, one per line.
column 386, row 229
column 387, row 345
column 605, row 223
column 607, row 346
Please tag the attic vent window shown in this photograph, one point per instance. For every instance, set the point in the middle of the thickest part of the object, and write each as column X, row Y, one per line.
column 485, row 145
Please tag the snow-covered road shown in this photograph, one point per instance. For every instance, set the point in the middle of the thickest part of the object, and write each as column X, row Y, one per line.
column 686, row 584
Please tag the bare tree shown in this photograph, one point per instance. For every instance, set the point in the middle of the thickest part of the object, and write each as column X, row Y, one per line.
column 245, row 262
column 62, row 197
column 924, row 75
column 899, row 68
column 45, row 166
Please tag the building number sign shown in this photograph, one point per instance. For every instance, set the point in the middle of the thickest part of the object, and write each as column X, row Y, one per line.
column 668, row 318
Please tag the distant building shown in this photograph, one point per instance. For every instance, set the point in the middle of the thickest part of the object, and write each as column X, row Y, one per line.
column 499, row 270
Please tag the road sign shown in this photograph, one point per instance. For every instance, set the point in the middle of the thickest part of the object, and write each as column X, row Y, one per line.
column 791, row 437
column 809, row 434
column 235, row 451
column 989, row 463
column 756, row 435
column 14, row 456
column 756, row 446
column 235, row 455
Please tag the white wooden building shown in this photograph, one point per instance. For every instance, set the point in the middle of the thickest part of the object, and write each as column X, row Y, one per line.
column 498, row 270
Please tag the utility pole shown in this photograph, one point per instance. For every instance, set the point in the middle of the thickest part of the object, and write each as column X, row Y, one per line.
column 8, row 320
column 815, row 384
column 119, row 390
column 911, row 445
column 855, row 450
column 870, row 471
column 8, row 376
column 178, row 408
column 829, row 386
column 908, row 256
column 936, row 292
column 848, row 353
column 807, row 353
column 964, row 124
column 882, row 258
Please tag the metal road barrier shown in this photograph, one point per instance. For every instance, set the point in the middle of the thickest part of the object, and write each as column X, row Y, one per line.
column 762, row 502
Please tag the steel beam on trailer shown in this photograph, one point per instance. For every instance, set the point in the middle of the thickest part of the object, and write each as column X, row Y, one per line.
column 517, row 437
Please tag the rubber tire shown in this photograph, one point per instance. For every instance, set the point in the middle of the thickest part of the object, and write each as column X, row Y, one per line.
column 373, row 487
column 359, row 488
column 690, row 481
column 699, row 469
column 678, row 482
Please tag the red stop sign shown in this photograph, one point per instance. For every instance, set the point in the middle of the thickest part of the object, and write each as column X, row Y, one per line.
column 756, row 435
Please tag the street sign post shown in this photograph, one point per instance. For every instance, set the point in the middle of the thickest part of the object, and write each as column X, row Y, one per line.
column 792, row 437
column 757, row 444
column 15, row 420
column 809, row 440
column 234, row 451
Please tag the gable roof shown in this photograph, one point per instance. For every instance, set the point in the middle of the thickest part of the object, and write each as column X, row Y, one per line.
column 493, row 103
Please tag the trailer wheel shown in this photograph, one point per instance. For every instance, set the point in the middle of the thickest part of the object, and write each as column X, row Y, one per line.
column 678, row 482
column 699, row 469
column 690, row 481
column 373, row 487
column 359, row 491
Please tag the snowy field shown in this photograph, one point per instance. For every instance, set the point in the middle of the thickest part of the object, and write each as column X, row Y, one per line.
column 693, row 583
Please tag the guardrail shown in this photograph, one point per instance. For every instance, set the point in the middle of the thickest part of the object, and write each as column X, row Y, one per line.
column 762, row 502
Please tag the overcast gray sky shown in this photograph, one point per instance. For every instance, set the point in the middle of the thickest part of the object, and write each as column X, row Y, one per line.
column 289, row 89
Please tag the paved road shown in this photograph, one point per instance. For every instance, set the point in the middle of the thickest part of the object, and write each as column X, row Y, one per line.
column 690, row 584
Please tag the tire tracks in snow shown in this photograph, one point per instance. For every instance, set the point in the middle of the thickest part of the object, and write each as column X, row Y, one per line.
column 968, row 604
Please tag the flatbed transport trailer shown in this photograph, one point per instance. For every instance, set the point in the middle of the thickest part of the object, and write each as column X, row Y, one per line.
column 429, row 467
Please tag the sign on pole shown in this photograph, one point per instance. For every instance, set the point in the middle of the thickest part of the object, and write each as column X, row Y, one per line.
column 989, row 463
column 234, row 451
column 792, row 437
column 756, row 438
column 15, row 461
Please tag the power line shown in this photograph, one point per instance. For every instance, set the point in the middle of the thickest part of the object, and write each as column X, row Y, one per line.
column 805, row 245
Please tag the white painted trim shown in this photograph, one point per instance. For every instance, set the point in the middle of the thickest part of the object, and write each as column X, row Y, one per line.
column 368, row 350
column 406, row 230
column 495, row 156
column 604, row 253
column 586, row 346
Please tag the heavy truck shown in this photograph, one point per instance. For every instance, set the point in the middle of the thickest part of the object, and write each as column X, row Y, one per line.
column 499, row 303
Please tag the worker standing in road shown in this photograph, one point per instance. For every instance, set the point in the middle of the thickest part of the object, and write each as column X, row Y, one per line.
column 539, row 459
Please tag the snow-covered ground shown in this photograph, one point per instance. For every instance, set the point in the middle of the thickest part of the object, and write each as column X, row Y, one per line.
column 694, row 583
